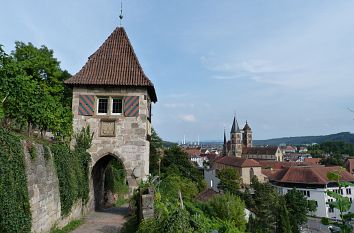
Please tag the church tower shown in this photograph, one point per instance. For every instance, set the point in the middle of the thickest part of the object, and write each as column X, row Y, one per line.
column 235, row 137
column 247, row 136
column 224, row 147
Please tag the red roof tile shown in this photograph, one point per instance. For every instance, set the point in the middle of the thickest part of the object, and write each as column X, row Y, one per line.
column 271, row 150
column 114, row 64
column 237, row 162
column 312, row 160
column 307, row 175
column 192, row 151
column 206, row 195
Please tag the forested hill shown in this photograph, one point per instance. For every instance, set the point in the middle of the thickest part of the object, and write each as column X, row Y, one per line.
column 344, row 137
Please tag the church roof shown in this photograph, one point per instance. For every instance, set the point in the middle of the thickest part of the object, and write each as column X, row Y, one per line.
column 114, row 64
column 237, row 162
column 271, row 150
column 235, row 128
column 247, row 127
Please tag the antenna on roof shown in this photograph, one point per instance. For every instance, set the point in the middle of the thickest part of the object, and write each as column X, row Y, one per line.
column 121, row 13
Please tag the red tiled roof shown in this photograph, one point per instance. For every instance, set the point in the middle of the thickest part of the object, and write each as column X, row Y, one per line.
column 212, row 157
column 114, row 64
column 279, row 165
column 192, row 151
column 307, row 175
column 312, row 160
column 237, row 162
column 349, row 164
column 206, row 195
column 271, row 150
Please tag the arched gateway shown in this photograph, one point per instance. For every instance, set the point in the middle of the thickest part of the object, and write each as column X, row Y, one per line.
column 113, row 96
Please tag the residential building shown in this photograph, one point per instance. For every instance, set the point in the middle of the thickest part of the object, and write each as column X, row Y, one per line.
column 349, row 165
column 247, row 168
column 313, row 182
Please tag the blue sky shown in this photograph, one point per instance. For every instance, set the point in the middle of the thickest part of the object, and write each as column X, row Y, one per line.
column 285, row 66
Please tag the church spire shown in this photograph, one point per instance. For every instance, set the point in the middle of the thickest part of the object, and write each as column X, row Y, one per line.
column 224, row 147
column 235, row 128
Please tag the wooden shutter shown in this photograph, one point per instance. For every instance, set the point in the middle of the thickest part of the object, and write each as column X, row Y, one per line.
column 86, row 105
column 131, row 106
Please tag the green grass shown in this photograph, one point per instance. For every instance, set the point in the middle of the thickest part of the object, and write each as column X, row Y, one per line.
column 131, row 226
column 68, row 228
column 120, row 201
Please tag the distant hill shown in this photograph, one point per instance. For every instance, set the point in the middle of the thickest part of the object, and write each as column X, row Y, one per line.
column 344, row 136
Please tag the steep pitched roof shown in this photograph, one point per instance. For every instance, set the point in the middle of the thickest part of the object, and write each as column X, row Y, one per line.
column 307, row 175
column 235, row 128
column 237, row 162
column 114, row 64
column 247, row 127
column 271, row 150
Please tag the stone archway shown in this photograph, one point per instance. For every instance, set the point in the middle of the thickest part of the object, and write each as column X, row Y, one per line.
column 98, row 179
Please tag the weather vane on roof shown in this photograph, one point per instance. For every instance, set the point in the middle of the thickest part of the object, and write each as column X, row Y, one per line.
column 121, row 12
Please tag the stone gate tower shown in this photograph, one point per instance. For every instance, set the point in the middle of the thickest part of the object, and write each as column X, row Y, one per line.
column 113, row 96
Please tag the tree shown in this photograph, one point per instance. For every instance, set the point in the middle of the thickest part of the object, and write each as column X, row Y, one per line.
column 283, row 223
column 156, row 147
column 228, row 207
column 176, row 162
column 341, row 203
column 32, row 80
column 230, row 180
column 264, row 204
column 298, row 207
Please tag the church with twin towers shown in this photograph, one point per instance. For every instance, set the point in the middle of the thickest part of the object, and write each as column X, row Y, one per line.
column 239, row 139
column 241, row 145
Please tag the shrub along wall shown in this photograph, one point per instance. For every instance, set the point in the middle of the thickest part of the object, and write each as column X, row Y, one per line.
column 72, row 171
column 15, row 215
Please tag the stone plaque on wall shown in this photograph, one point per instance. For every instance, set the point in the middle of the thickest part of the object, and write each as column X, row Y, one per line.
column 107, row 128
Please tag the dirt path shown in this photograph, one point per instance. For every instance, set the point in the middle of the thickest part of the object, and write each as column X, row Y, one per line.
column 108, row 221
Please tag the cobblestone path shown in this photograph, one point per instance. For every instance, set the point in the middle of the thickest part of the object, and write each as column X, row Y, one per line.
column 109, row 220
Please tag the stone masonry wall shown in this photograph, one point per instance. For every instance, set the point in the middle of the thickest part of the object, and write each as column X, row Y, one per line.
column 129, row 143
column 43, row 187
column 44, row 197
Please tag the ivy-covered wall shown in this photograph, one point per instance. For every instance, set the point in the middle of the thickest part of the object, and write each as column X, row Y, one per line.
column 41, row 186
column 15, row 215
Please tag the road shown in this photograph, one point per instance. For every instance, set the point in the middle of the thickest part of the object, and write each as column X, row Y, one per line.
column 109, row 220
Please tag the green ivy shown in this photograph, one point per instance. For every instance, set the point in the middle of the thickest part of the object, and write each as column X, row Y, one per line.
column 46, row 152
column 73, row 171
column 15, row 215
column 32, row 151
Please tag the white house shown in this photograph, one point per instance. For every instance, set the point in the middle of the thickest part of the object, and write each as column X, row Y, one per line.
column 313, row 182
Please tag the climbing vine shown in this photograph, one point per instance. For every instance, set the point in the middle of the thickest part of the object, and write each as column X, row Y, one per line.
column 15, row 215
column 72, row 170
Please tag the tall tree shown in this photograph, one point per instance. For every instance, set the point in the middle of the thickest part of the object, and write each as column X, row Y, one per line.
column 230, row 180
column 298, row 207
column 283, row 222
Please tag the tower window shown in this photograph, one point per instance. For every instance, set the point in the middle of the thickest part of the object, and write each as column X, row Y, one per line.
column 102, row 107
column 117, row 105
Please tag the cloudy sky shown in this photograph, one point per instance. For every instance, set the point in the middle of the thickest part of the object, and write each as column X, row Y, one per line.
column 285, row 66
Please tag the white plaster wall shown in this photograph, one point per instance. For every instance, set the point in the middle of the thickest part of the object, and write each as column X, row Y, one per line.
column 321, row 197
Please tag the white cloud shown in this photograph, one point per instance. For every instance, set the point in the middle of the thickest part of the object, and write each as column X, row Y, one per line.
column 187, row 118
